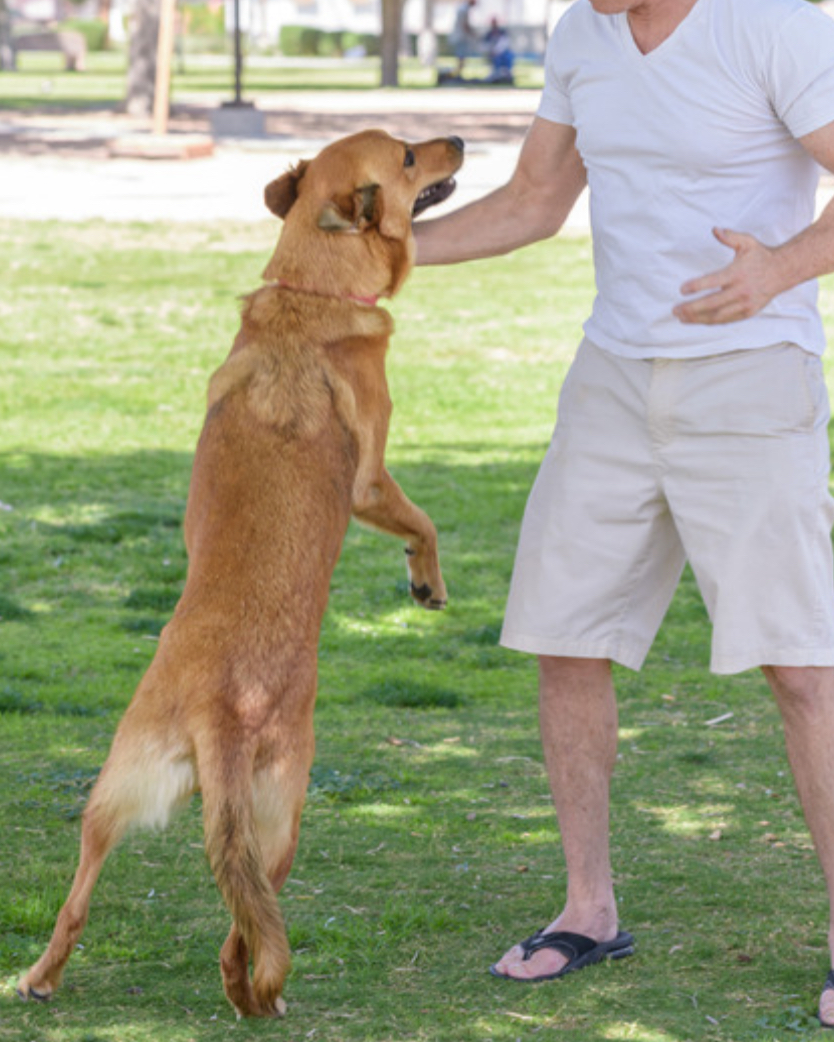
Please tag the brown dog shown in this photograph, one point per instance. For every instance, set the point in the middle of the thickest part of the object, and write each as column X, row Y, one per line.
column 293, row 443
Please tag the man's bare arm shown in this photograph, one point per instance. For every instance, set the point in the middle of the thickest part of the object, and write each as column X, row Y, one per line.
column 532, row 205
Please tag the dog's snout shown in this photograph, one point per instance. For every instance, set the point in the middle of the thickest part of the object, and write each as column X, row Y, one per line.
column 457, row 142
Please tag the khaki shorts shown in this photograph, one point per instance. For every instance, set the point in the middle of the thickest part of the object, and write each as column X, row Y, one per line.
column 722, row 461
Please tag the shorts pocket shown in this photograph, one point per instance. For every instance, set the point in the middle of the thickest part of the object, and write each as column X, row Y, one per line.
column 766, row 392
column 819, row 409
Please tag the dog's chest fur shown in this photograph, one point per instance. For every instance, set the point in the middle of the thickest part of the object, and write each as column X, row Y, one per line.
column 272, row 483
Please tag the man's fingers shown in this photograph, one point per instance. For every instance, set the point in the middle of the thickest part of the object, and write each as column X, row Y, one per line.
column 714, row 309
column 734, row 240
column 704, row 283
column 737, row 242
column 734, row 293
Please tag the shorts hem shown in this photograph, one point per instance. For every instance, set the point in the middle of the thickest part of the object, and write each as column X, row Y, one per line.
column 629, row 656
column 796, row 657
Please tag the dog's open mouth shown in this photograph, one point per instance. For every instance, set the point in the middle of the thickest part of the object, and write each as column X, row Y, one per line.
column 433, row 195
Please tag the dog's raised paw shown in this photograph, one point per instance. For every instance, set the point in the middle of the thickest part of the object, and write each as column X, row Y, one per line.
column 423, row 595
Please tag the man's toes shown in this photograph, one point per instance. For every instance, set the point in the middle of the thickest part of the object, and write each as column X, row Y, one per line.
column 540, row 964
column 511, row 964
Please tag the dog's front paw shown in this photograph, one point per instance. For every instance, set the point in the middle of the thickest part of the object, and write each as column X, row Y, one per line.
column 430, row 595
column 424, row 596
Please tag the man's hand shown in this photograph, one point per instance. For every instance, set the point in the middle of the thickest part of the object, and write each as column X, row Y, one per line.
column 736, row 292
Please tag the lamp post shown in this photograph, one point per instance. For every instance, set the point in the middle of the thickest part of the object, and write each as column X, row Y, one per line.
column 238, row 57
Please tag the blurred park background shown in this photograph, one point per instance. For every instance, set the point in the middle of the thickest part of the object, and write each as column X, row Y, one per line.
column 133, row 156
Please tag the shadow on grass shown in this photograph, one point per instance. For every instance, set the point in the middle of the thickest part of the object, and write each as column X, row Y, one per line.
column 428, row 779
column 93, row 547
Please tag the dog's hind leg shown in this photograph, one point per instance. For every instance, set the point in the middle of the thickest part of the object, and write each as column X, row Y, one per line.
column 234, row 955
column 100, row 832
column 138, row 784
column 278, row 793
column 234, row 967
column 241, row 868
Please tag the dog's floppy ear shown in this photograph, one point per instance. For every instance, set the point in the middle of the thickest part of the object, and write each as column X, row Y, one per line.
column 280, row 194
column 352, row 213
column 394, row 222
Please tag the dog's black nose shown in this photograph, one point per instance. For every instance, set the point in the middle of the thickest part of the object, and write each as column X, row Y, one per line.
column 457, row 142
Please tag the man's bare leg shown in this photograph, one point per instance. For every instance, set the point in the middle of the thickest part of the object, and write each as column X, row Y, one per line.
column 578, row 719
column 806, row 700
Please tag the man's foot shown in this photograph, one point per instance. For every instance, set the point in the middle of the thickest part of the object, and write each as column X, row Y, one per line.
column 826, row 1008
column 535, row 959
column 579, row 950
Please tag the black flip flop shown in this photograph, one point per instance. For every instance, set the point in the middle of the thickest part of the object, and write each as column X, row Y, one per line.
column 580, row 950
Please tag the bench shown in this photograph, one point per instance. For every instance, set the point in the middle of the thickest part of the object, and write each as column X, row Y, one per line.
column 70, row 43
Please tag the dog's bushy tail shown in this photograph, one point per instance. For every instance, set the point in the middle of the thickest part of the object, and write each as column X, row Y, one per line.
column 234, row 852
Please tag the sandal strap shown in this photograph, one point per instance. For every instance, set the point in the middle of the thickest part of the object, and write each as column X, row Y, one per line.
column 573, row 945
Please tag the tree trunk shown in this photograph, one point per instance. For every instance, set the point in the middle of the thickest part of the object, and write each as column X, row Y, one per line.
column 141, row 71
column 392, row 15
column 7, row 55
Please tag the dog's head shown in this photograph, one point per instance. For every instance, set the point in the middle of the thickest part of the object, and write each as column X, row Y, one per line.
column 351, row 207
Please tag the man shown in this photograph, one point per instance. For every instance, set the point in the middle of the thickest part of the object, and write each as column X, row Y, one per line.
column 500, row 53
column 693, row 421
column 462, row 36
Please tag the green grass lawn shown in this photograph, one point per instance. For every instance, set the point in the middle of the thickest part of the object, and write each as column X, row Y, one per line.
column 41, row 80
column 428, row 843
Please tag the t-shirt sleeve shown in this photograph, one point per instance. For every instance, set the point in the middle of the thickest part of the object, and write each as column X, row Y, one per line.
column 555, row 103
column 801, row 71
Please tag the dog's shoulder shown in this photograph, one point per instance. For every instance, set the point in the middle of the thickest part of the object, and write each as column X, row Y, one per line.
column 281, row 367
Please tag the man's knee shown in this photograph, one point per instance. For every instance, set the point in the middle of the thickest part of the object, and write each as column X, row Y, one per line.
column 801, row 688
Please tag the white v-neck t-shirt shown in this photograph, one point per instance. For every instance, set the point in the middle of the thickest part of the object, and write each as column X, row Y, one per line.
column 698, row 133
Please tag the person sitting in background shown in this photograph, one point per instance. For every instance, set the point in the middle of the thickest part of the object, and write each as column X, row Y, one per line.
column 500, row 53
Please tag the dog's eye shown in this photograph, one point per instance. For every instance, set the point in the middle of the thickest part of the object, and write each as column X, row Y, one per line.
column 409, row 158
